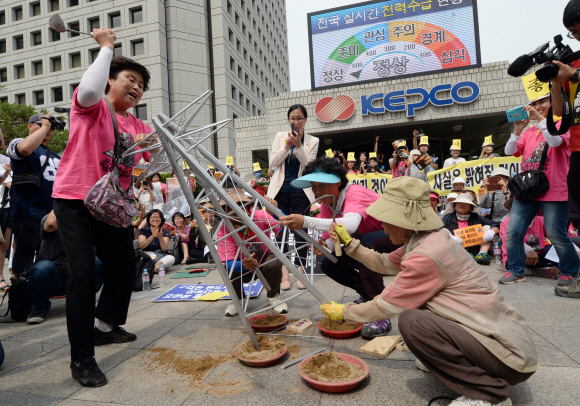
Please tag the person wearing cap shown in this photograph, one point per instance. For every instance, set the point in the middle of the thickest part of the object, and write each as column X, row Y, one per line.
column 242, row 270
column 495, row 199
column 465, row 216
column 423, row 148
column 197, row 243
column 29, row 204
column 328, row 178
column 413, row 170
column 435, row 200
column 351, row 168
column 451, row 197
column 455, row 158
column 487, row 151
column 400, row 162
column 451, row 316
column 530, row 145
column 458, row 185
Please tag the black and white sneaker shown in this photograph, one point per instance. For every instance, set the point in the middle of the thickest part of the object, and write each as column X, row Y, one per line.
column 117, row 335
column 36, row 317
column 88, row 373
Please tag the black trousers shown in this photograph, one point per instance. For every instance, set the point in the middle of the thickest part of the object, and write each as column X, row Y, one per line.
column 295, row 203
column 83, row 236
column 27, row 236
column 574, row 189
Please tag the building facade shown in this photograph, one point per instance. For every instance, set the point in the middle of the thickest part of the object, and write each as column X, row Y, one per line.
column 236, row 48
column 471, row 122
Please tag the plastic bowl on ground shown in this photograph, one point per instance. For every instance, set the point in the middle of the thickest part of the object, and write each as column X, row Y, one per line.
column 340, row 334
column 336, row 387
column 267, row 328
column 262, row 362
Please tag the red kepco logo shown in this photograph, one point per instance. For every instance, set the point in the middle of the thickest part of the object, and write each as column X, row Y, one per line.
column 330, row 109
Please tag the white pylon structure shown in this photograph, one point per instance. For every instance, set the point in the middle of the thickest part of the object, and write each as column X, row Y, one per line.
column 182, row 148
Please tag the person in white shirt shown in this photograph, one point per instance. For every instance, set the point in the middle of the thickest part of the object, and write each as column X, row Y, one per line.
column 455, row 159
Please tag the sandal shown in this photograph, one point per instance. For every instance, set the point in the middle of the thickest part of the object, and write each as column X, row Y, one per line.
column 3, row 286
column 285, row 285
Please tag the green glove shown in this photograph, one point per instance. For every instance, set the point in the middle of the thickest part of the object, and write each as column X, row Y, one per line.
column 343, row 236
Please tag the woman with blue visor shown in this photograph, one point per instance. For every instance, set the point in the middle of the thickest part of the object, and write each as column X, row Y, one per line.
column 327, row 178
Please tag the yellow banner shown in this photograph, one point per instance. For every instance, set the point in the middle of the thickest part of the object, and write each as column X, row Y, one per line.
column 474, row 172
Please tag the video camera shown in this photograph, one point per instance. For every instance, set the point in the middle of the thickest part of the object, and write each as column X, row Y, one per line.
column 544, row 54
column 55, row 123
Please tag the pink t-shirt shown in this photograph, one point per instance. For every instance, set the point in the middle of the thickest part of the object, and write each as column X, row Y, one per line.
column 462, row 224
column 228, row 248
column 358, row 199
column 400, row 170
column 530, row 148
column 88, row 155
column 535, row 237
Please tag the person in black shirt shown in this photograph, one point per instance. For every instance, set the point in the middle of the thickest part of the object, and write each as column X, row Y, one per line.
column 49, row 275
column 154, row 240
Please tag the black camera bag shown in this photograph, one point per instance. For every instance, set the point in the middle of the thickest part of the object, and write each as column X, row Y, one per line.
column 30, row 178
column 142, row 261
column 530, row 185
column 19, row 298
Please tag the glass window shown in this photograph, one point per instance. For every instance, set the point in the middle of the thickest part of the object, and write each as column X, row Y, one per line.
column 93, row 53
column 57, row 94
column 20, row 72
column 138, row 47
column 54, row 6
column 232, row 63
column 54, row 35
column 2, row 46
column 17, row 13
column 4, row 99
column 35, row 9
column 19, row 42
column 3, row 75
column 74, row 26
column 56, row 64
column 20, row 99
column 73, row 87
column 39, row 97
column 93, row 24
column 136, row 15
column 37, row 68
column 115, row 20
column 73, row 3
column 141, row 112
column 2, row 17
column 75, row 60
column 234, row 92
column 36, row 38
column 118, row 50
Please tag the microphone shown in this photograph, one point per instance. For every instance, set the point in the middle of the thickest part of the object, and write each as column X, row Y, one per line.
column 520, row 65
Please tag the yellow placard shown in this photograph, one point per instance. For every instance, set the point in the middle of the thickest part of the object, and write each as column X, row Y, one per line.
column 534, row 88
column 230, row 161
column 137, row 171
column 329, row 153
column 213, row 296
column 373, row 155
column 456, row 144
column 470, row 235
column 424, row 140
column 351, row 157
column 256, row 166
column 488, row 140
column 210, row 167
column 402, row 143
column 185, row 165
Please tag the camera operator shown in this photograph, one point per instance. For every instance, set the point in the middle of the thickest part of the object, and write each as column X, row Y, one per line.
column 34, row 169
column 568, row 77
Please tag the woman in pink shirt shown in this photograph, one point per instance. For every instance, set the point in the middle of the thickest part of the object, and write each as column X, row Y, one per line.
column 400, row 163
column 530, row 145
column 87, row 158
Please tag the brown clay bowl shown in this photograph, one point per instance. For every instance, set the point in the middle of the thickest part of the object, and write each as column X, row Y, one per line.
column 338, row 386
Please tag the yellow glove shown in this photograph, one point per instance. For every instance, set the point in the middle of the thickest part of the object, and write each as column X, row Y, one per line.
column 332, row 311
column 343, row 236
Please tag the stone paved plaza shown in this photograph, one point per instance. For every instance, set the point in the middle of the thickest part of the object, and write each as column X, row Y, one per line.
column 36, row 370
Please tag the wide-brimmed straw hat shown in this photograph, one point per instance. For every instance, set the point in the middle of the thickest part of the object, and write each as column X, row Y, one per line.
column 499, row 171
column 464, row 198
column 406, row 204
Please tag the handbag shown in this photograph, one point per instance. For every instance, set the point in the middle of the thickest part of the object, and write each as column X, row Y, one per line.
column 107, row 200
column 19, row 298
column 530, row 185
column 30, row 179
column 142, row 261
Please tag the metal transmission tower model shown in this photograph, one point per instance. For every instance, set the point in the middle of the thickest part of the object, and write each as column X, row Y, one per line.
column 183, row 146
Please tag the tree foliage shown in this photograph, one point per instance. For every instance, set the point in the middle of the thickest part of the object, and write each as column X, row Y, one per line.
column 14, row 124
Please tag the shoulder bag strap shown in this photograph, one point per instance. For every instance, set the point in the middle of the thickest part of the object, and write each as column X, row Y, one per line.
column 544, row 157
column 116, row 129
column 566, row 116
column 46, row 161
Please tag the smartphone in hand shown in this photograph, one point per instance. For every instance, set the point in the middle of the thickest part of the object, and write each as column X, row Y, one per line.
column 295, row 130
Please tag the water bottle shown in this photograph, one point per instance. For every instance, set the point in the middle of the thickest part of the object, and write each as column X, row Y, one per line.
column 497, row 253
column 162, row 275
column 146, row 284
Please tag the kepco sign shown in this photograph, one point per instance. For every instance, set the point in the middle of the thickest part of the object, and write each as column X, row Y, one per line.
column 396, row 101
